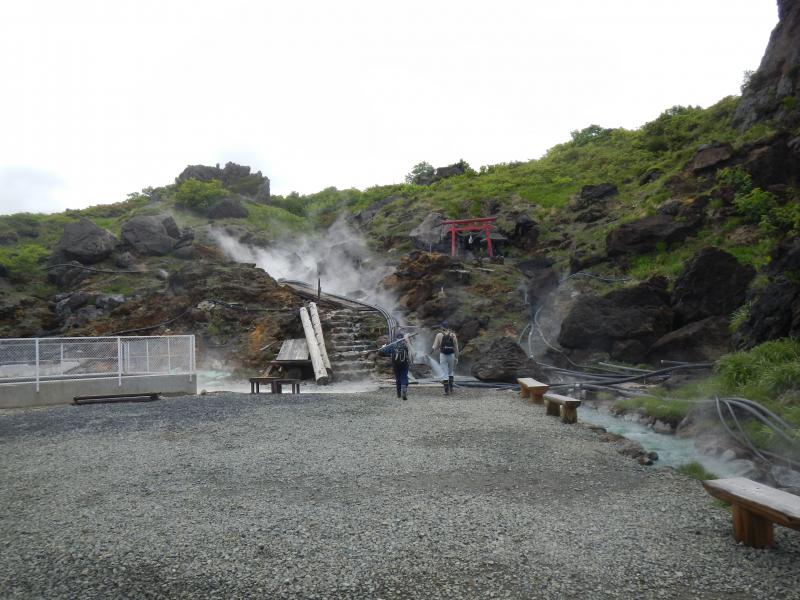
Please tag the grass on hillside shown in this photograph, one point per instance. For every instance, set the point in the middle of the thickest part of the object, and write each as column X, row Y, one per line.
column 696, row 471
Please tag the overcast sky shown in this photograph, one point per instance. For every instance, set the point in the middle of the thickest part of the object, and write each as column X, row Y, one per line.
column 104, row 98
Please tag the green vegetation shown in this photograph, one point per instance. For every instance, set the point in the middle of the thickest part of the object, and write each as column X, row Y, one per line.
column 670, row 411
column 696, row 471
column 200, row 196
column 24, row 261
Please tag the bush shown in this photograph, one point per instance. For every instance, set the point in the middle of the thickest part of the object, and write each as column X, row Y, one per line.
column 763, row 373
column 696, row 471
column 756, row 205
column 24, row 260
column 420, row 172
column 736, row 178
column 200, row 196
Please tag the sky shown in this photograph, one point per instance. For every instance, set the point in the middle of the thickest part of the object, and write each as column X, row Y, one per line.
column 104, row 98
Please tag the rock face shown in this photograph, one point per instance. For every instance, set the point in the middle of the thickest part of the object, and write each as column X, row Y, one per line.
column 710, row 156
column 701, row 341
column 419, row 276
column 624, row 323
column 236, row 178
column 151, row 235
column 644, row 235
column 501, row 359
column 85, row 242
column 591, row 195
column 713, row 283
column 428, row 234
column 777, row 77
column 228, row 208
column 440, row 173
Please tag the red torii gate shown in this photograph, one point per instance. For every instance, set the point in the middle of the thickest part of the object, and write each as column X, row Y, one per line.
column 484, row 224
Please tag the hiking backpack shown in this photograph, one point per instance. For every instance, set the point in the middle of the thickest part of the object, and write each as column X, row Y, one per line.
column 448, row 344
column 400, row 356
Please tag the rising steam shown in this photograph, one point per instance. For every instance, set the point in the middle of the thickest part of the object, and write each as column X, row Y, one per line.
column 339, row 256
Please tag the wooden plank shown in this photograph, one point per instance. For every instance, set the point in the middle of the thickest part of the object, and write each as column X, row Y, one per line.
column 562, row 400
column 293, row 350
column 530, row 383
column 778, row 506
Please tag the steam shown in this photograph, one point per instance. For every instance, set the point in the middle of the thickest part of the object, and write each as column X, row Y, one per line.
column 339, row 257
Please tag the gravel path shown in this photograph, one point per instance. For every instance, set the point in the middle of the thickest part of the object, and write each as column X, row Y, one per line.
column 355, row 496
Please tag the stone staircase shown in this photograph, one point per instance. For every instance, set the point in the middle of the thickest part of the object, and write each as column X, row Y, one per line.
column 346, row 338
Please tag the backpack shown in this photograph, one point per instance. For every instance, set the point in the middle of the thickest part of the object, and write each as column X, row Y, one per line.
column 448, row 344
column 400, row 356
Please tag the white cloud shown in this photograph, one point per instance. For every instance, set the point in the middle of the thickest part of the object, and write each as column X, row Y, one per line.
column 112, row 97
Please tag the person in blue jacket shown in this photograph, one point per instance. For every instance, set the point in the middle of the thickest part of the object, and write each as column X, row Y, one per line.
column 400, row 353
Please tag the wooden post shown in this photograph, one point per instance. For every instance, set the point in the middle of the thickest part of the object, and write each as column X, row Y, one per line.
column 537, row 396
column 750, row 528
column 320, row 373
column 551, row 408
column 315, row 322
column 569, row 414
column 452, row 240
column 489, row 240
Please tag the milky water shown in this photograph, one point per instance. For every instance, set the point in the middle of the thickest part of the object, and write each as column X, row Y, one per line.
column 672, row 451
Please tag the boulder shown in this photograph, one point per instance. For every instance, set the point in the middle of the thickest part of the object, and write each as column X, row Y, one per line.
column 228, row 208
column 365, row 216
column 644, row 235
column 710, row 156
column 713, row 283
column 591, row 195
column 774, row 312
column 150, row 235
column 502, row 359
column 641, row 313
column 85, row 242
column 428, row 234
column 772, row 163
column 701, row 341
column 67, row 275
column 4, row 272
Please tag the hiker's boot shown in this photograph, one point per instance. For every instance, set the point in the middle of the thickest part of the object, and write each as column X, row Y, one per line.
column 398, row 393
column 446, row 388
column 450, row 382
column 405, row 393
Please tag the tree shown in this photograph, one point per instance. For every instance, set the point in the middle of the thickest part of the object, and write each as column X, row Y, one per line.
column 421, row 173
column 200, row 196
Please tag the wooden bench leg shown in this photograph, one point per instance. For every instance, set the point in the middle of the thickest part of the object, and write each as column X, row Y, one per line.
column 552, row 409
column 295, row 388
column 569, row 415
column 537, row 397
column 523, row 392
column 751, row 529
column 252, row 387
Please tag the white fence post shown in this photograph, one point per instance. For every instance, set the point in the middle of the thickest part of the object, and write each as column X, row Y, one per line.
column 119, row 361
column 37, row 364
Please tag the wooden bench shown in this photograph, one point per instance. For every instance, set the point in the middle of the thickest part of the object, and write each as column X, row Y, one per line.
column 530, row 388
column 563, row 406
column 755, row 508
column 147, row 397
column 276, row 384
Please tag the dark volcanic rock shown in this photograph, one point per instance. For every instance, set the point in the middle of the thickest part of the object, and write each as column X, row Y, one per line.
column 711, row 155
column 365, row 216
column 67, row 275
column 591, row 195
column 236, row 178
column 701, row 341
column 150, row 235
column 713, row 283
column 3, row 270
column 85, row 242
column 774, row 313
column 777, row 76
column 641, row 313
column 501, row 359
column 772, row 163
column 643, row 235
column 228, row 208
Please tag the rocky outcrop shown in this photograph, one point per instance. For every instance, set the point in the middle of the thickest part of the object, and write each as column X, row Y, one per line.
column 237, row 178
column 85, row 242
column 502, row 359
column 713, row 283
column 228, row 208
column 644, row 235
column 701, row 341
column 419, row 277
column 541, row 278
column 778, row 75
column 428, row 178
column 151, row 235
column 624, row 323
column 591, row 195
column 710, row 156
column 428, row 234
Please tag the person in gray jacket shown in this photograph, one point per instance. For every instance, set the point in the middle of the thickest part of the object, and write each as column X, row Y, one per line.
column 446, row 343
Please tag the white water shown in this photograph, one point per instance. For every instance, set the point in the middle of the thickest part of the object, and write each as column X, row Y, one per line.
column 672, row 451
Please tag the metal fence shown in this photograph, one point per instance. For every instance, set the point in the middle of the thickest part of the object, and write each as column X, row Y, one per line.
column 32, row 360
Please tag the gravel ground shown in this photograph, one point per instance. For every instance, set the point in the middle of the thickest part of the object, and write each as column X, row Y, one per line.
column 355, row 496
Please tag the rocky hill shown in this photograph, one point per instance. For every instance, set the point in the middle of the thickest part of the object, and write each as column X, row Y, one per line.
column 678, row 240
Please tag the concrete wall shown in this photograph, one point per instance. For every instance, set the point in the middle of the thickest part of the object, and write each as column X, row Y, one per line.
column 22, row 395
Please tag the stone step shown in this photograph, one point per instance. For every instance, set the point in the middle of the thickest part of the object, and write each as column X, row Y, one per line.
column 351, row 364
column 339, row 348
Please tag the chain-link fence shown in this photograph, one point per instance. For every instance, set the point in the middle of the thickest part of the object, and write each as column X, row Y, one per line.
column 47, row 359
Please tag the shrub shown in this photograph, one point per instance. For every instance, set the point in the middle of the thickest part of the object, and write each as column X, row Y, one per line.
column 736, row 178
column 420, row 172
column 200, row 196
column 756, row 205
column 23, row 260
column 696, row 471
